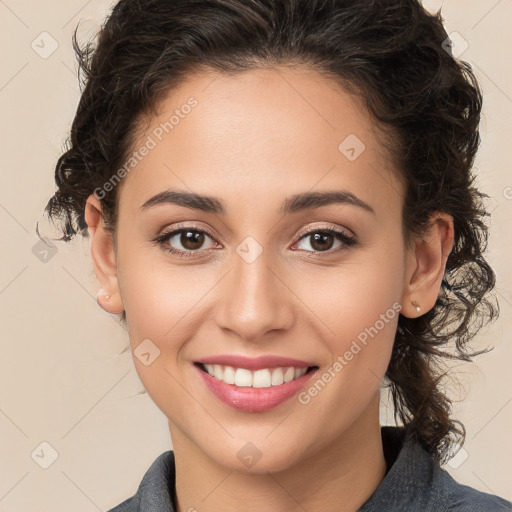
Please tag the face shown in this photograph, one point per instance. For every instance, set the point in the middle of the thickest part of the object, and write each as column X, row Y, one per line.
column 264, row 273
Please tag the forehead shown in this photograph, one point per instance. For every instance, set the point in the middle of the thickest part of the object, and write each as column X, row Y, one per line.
column 262, row 133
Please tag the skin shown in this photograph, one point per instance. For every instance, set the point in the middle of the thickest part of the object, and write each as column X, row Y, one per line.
column 253, row 140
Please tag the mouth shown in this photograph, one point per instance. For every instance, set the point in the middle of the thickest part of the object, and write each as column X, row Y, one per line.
column 262, row 378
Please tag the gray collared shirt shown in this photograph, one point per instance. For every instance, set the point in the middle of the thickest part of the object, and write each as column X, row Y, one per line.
column 413, row 482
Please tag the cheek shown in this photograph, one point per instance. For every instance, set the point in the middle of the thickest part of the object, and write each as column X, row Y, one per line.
column 353, row 297
column 358, row 308
column 163, row 301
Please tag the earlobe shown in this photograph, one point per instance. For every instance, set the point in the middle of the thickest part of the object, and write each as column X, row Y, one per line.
column 103, row 257
column 425, row 266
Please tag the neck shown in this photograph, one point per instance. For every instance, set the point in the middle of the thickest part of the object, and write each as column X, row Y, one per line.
column 340, row 477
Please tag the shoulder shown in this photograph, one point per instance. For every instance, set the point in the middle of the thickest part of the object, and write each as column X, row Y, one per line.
column 416, row 482
column 155, row 490
column 447, row 494
column 457, row 497
column 129, row 505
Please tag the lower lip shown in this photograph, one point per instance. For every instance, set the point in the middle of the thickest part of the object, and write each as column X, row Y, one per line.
column 251, row 399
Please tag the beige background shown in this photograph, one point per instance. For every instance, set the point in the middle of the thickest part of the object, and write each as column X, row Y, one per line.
column 63, row 377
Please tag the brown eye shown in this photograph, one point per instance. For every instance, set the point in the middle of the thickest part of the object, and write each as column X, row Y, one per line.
column 184, row 242
column 191, row 240
column 322, row 240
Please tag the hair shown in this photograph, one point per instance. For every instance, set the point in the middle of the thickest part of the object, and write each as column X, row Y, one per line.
column 394, row 56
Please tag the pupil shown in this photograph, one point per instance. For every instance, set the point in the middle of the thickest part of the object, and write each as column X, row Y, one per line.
column 320, row 239
column 192, row 240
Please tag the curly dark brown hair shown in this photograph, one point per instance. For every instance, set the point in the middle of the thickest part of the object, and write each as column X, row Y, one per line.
column 395, row 56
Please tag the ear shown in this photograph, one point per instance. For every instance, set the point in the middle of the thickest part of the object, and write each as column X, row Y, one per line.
column 103, row 257
column 426, row 264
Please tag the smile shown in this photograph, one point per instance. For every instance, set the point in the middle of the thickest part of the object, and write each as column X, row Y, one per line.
column 263, row 378
column 254, row 391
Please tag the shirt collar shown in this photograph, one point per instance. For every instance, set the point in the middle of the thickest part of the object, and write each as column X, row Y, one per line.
column 410, row 473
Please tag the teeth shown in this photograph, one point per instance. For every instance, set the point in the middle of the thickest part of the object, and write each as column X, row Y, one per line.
column 243, row 377
column 257, row 379
column 229, row 375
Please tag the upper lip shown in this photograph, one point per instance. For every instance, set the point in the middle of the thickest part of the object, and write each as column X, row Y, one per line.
column 255, row 363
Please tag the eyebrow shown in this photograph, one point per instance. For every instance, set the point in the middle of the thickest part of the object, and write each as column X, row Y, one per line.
column 296, row 203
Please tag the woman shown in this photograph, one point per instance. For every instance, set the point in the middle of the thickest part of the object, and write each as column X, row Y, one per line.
column 280, row 204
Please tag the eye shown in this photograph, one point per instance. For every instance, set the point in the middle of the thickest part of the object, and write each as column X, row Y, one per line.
column 188, row 239
column 322, row 239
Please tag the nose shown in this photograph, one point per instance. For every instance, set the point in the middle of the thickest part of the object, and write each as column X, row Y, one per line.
column 254, row 299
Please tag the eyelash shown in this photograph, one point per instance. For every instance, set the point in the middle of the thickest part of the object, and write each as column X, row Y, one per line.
column 164, row 237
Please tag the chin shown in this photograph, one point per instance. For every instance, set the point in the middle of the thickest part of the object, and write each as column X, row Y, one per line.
column 248, row 458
